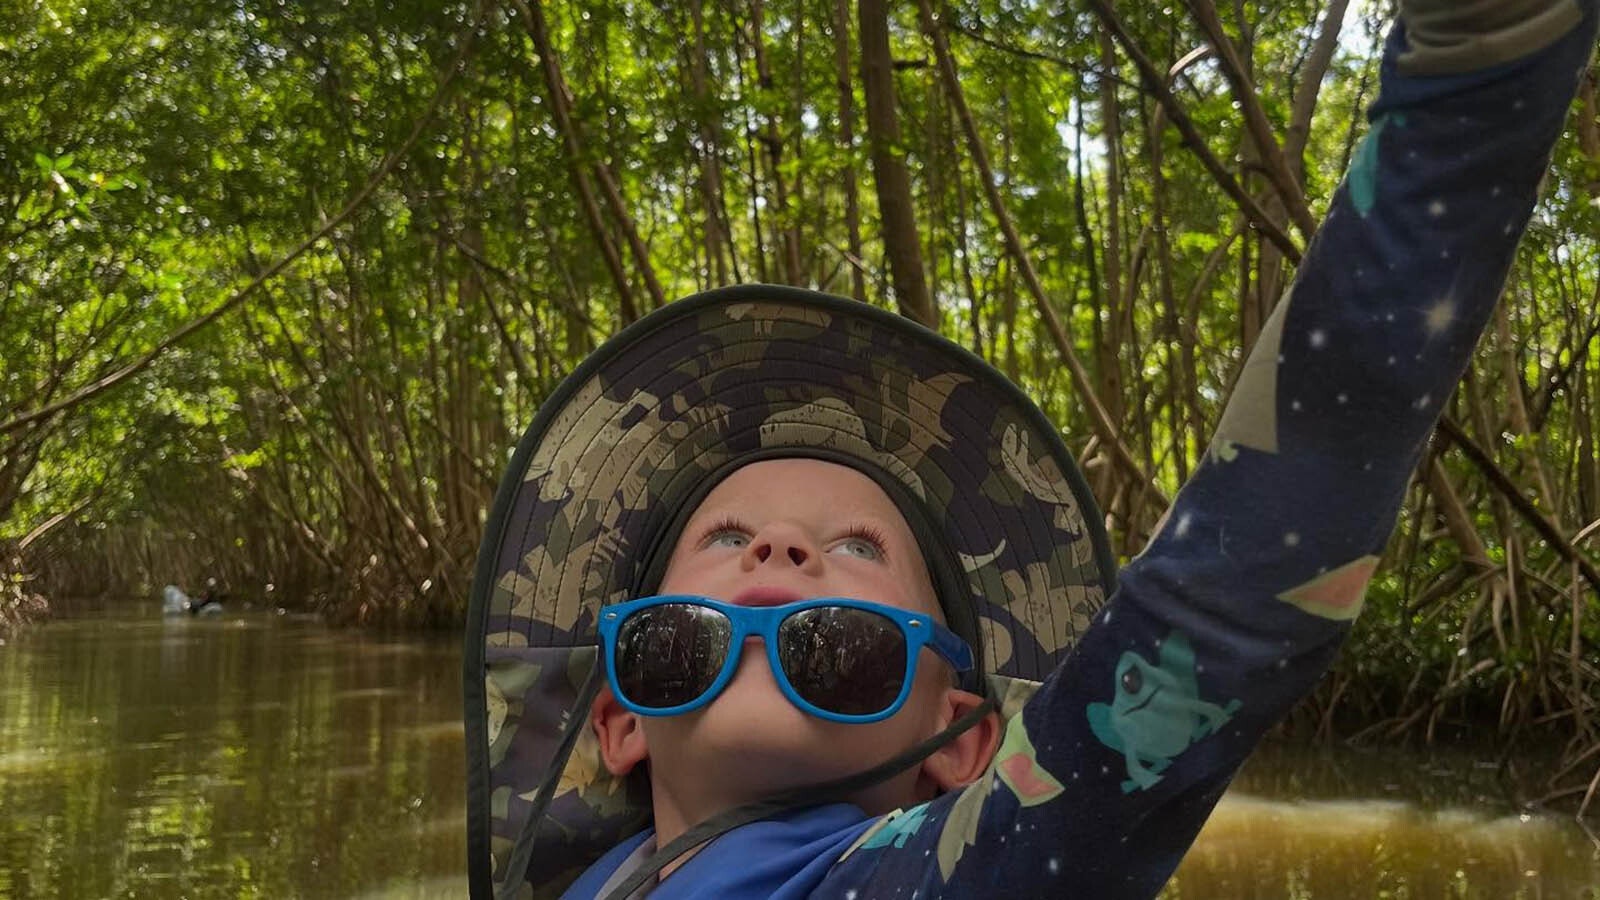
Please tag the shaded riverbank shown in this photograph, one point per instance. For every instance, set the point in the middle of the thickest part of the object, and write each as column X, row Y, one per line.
column 19, row 605
column 19, row 609
column 268, row 756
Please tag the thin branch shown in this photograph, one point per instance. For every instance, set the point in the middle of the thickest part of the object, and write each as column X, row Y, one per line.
column 1104, row 426
column 572, row 137
column 53, row 521
column 1513, row 495
column 1255, row 117
column 507, row 340
column 1071, row 65
column 1304, row 106
column 1155, row 84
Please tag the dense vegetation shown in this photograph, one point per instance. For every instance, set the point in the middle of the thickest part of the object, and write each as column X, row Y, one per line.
column 283, row 282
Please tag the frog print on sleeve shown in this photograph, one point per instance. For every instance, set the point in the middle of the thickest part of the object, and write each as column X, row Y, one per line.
column 1156, row 712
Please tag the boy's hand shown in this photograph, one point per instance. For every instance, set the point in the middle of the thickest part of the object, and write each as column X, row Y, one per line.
column 1453, row 36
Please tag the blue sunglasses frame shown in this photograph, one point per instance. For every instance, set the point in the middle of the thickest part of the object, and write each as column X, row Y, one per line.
column 763, row 622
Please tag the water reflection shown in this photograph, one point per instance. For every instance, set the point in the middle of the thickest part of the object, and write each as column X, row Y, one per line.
column 242, row 757
column 1441, row 825
column 1255, row 847
column 264, row 757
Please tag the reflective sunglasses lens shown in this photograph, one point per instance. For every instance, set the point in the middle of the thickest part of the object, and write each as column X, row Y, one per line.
column 669, row 655
column 843, row 660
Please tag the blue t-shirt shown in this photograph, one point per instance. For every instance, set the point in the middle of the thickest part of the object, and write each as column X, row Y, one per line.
column 1242, row 598
column 786, row 856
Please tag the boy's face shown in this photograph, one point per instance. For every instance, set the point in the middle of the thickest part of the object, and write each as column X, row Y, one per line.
column 774, row 532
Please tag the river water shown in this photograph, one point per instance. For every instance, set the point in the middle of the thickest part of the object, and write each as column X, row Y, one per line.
column 260, row 756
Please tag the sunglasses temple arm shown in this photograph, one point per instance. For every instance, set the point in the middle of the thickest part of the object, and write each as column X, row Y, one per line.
column 814, row 795
column 956, row 652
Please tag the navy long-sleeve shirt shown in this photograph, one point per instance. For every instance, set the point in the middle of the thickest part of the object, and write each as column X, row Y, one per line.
column 1241, row 600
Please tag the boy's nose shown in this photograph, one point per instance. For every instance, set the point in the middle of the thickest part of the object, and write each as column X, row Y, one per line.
column 780, row 543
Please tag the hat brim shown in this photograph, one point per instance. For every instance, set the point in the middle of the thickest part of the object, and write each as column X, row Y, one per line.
column 630, row 441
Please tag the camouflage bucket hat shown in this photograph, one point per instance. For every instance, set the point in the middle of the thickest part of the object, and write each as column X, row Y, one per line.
column 622, row 452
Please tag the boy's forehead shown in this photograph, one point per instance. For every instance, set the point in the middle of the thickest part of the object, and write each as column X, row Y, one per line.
column 824, row 493
column 825, row 484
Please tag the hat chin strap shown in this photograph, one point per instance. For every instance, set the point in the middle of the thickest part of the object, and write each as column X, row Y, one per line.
column 522, row 852
column 796, row 798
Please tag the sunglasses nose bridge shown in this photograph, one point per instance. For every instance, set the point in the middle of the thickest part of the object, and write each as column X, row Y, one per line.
column 745, row 641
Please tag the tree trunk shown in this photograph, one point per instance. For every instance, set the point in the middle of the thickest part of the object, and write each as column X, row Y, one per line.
column 847, row 139
column 1108, row 331
column 772, row 144
column 1105, row 428
column 1155, row 83
column 1178, row 375
column 1237, row 71
column 1516, row 408
column 716, row 236
column 1588, row 120
column 560, row 105
column 1304, row 106
column 560, row 109
column 892, row 180
column 1270, row 267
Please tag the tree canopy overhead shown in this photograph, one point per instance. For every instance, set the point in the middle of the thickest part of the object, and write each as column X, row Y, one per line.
column 283, row 282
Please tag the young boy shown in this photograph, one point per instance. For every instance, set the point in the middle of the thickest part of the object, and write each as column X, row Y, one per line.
column 764, row 564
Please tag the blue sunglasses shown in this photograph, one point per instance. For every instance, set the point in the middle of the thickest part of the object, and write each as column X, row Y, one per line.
column 836, row 658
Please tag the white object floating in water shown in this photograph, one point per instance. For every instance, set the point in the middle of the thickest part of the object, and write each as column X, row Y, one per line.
column 174, row 602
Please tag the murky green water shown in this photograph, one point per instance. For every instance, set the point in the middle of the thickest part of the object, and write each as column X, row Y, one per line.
column 260, row 756
column 236, row 757
column 1341, row 824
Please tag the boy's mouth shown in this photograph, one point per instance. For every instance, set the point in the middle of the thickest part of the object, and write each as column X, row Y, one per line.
column 766, row 596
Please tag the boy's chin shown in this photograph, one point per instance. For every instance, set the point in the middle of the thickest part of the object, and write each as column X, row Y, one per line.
column 759, row 751
column 788, row 736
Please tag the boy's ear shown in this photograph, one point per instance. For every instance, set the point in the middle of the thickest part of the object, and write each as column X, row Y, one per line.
column 967, row 756
column 622, row 743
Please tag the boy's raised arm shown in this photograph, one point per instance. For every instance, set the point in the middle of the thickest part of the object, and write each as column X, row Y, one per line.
column 1241, row 600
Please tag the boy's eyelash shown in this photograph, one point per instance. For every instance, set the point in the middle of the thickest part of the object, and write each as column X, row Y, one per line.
column 869, row 534
column 726, row 523
column 860, row 530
